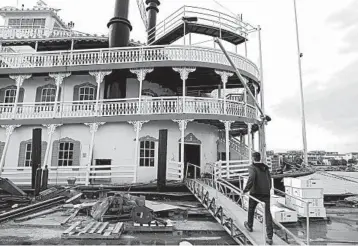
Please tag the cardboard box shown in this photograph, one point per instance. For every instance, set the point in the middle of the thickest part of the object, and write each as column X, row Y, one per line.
column 318, row 203
column 313, row 212
column 288, row 201
column 307, row 183
column 307, row 193
column 287, row 182
column 281, row 214
column 288, row 190
column 277, row 200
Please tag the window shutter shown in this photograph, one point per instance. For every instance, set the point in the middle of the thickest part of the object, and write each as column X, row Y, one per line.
column 43, row 152
column 21, row 95
column 55, row 148
column 22, row 151
column 2, row 145
column 2, row 95
column 38, row 94
column 76, row 92
column 76, row 153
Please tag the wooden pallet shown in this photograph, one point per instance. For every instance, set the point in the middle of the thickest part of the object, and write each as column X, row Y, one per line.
column 153, row 227
column 94, row 230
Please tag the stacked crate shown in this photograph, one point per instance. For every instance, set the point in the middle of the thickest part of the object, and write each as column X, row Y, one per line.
column 308, row 190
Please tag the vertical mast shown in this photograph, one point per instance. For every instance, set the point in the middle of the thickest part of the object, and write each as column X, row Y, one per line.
column 299, row 55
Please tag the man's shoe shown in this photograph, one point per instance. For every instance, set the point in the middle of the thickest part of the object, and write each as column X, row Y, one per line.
column 247, row 226
column 269, row 241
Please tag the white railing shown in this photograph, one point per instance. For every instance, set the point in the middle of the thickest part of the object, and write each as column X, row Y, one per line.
column 119, row 107
column 124, row 55
column 235, row 144
column 232, row 170
column 18, row 32
column 175, row 171
column 59, row 175
column 204, row 16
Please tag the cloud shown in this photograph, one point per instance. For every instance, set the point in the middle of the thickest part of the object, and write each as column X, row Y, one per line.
column 332, row 106
column 347, row 19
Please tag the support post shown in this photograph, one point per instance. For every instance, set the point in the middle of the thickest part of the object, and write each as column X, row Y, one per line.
column 99, row 77
column 19, row 79
column 36, row 159
column 162, row 159
column 9, row 131
column 249, row 128
column 224, row 78
column 141, row 74
column 182, row 126
column 50, row 131
column 184, row 74
column 262, row 132
column 227, row 144
column 93, row 130
column 58, row 77
column 137, row 127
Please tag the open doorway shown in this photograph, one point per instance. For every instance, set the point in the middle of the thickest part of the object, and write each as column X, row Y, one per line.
column 102, row 178
column 192, row 154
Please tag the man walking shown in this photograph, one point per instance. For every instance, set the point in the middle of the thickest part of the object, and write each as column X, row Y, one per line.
column 259, row 184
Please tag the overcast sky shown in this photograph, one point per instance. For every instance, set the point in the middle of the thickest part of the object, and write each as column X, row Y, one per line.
column 329, row 41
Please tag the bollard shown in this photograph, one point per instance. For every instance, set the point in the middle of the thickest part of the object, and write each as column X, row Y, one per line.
column 44, row 178
column 37, row 181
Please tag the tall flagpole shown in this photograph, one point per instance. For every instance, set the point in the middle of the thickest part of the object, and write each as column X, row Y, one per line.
column 299, row 55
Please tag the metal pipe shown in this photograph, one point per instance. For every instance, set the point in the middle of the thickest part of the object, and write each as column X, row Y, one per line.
column 239, row 76
column 303, row 118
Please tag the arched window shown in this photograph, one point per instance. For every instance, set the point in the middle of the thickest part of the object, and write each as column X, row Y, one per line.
column 87, row 93
column 48, row 94
column 66, row 152
column 25, row 153
column 10, row 95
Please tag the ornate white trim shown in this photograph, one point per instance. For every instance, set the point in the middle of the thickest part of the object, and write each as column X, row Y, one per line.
column 99, row 75
column 184, row 71
column 51, row 128
column 141, row 73
column 227, row 123
column 224, row 75
column 59, row 77
column 20, row 78
column 137, row 124
column 10, row 129
column 94, row 126
column 183, row 121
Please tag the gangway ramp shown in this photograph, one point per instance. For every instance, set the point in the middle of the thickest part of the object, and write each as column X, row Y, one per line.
column 224, row 202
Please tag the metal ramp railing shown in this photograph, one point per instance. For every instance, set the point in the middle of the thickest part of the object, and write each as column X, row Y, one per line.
column 228, row 27
column 225, row 202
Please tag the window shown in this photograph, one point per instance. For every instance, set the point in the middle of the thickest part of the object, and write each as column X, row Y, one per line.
column 147, row 154
column 65, row 154
column 28, row 23
column 48, row 95
column 28, row 154
column 86, row 93
column 10, row 96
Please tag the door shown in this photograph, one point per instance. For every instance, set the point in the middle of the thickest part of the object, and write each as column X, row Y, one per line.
column 192, row 154
column 97, row 175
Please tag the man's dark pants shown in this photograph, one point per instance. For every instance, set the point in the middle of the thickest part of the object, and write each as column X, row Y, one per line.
column 251, row 213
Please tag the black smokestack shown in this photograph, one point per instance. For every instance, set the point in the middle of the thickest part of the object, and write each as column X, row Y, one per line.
column 119, row 31
column 152, row 10
column 119, row 26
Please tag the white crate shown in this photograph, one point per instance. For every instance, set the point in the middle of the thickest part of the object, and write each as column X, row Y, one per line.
column 307, row 183
column 318, row 203
column 288, row 201
column 281, row 214
column 288, row 190
column 287, row 182
column 277, row 200
column 307, row 193
column 313, row 212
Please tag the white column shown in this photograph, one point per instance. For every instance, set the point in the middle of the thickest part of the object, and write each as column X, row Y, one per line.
column 137, row 127
column 99, row 76
column 50, row 131
column 227, row 143
column 182, row 126
column 184, row 74
column 58, row 77
column 9, row 130
column 19, row 79
column 224, row 78
column 253, row 140
column 141, row 74
column 93, row 130
column 249, row 127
